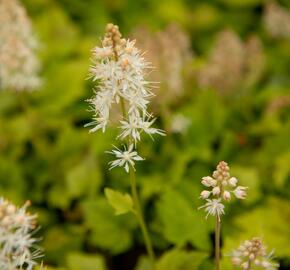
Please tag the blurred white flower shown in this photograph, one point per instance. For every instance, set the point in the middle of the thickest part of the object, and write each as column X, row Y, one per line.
column 125, row 158
column 277, row 20
column 253, row 253
column 180, row 124
column 19, row 65
column 18, row 248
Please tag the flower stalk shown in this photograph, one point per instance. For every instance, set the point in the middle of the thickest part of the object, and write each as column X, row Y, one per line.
column 140, row 218
column 217, row 242
column 222, row 185
column 120, row 69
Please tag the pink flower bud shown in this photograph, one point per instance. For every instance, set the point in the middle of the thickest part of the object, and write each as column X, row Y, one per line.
column 207, row 181
column 226, row 195
column 205, row 194
column 240, row 192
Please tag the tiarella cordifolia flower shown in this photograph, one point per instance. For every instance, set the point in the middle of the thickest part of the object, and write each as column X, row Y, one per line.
column 125, row 158
column 120, row 70
column 19, row 65
column 17, row 244
column 221, row 185
column 277, row 20
column 252, row 255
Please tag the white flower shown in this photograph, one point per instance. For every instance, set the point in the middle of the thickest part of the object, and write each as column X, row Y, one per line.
column 205, row 194
column 125, row 158
column 240, row 192
column 233, row 181
column 213, row 207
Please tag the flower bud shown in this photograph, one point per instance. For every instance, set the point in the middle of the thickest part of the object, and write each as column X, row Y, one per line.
column 252, row 256
column 226, row 195
column 240, row 192
column 216, row 191
column 233, row 181
column 207, row 181
column 205, row 194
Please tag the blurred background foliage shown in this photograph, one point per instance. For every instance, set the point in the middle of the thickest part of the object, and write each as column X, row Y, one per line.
column 223, row 67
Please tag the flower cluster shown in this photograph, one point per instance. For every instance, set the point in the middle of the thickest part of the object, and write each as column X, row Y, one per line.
column 19, row 65
column 17, row 245
column 230, row 55
column 252, row 254
column 222, row 185
column 277, row 20
column 120, row 69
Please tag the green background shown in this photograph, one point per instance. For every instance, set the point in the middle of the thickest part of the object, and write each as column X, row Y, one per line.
column 47, row 156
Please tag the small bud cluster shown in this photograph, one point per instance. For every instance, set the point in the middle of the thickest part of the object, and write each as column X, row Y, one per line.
column 277, row 21
column 252, row 255
column 17, row 246
column 120, row 70
column 222, row 185
column 19, row 65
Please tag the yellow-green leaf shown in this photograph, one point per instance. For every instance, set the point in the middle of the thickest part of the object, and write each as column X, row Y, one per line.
column 122, row 203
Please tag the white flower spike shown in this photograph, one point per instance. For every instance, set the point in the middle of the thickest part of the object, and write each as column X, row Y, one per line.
column 120, row 69
column 221, row 185
column 19, row 65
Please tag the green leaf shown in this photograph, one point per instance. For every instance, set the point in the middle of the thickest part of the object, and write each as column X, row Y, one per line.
column 107, row 231
column 122, row 203
column 80, row 261
column 83, row 179
column 177, row 259
column 248, row 177
column 181, row 221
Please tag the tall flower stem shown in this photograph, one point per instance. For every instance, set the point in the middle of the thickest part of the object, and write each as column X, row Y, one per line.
column 217, row 242
column 140, row 218
column 139, row 213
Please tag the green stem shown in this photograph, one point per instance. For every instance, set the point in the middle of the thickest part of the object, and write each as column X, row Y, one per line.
column 140, row 218
column 217, row 242
column 136, row 201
